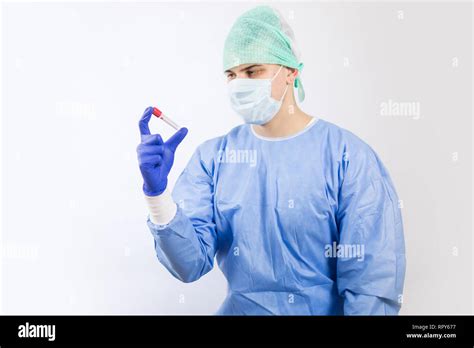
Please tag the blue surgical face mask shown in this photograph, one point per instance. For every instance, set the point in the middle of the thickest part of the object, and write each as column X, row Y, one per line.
column 252, row 99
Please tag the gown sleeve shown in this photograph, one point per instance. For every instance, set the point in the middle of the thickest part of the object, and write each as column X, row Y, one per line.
column 187, row 245
column 368, row 217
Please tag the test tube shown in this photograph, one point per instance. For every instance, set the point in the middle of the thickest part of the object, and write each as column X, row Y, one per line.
column 164, row 118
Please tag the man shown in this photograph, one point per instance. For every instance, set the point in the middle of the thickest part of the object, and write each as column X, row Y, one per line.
column 303, row 218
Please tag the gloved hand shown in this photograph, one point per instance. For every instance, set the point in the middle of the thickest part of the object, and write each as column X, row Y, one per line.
column 156, row 157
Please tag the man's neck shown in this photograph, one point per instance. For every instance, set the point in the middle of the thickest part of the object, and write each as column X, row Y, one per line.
column 284, row 123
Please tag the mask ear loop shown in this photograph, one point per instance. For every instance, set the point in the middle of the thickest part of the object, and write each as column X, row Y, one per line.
column 273, row 78
column 286, row 89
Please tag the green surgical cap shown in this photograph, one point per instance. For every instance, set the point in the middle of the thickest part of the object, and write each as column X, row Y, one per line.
column 262, row 36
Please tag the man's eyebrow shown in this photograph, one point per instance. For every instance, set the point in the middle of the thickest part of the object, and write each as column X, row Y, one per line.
column 244, row 69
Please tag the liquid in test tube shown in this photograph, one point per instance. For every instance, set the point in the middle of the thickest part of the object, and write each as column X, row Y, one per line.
column 165, row 119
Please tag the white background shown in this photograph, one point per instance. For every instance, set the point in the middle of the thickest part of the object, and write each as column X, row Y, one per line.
column 77, row 77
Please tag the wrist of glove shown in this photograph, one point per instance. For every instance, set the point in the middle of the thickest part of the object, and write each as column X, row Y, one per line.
column 156, row 191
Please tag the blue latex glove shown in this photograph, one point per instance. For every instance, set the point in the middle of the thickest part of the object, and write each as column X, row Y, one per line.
column 156, row 157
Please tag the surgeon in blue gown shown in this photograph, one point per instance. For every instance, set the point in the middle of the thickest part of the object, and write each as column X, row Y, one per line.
column 300, row 214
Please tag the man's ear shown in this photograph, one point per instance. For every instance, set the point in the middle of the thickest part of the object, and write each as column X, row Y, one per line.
column 292, row 74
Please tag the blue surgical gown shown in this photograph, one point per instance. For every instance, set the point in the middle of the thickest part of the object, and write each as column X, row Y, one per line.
column 281, row 217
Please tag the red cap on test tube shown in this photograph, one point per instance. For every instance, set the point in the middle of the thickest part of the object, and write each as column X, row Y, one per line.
column 156, row 112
